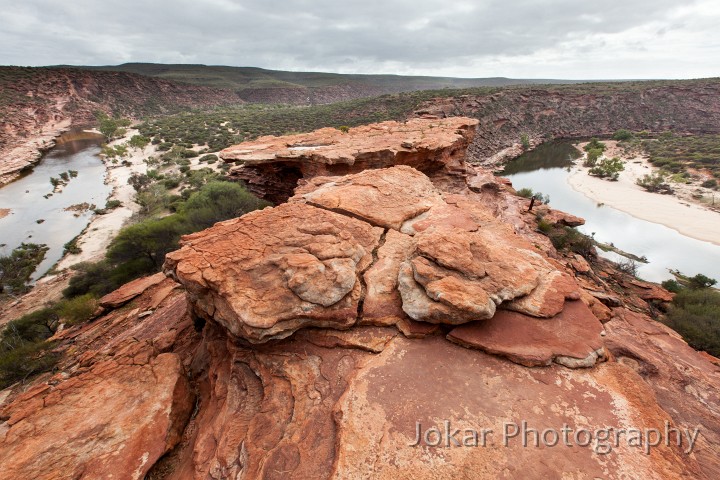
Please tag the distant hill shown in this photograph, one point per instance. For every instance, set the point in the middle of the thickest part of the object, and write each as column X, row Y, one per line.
column 275, row 86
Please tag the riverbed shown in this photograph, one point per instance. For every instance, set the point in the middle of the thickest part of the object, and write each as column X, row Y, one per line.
column 546, row 169
column 37, row 214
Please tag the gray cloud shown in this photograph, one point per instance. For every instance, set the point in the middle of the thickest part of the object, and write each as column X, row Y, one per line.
column 521, row 38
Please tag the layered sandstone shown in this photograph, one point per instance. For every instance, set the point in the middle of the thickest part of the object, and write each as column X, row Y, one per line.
column 271, row 166
column 448, row 261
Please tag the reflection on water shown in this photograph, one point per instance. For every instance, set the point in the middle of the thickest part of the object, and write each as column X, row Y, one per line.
column 543, row 170
column 25, row 198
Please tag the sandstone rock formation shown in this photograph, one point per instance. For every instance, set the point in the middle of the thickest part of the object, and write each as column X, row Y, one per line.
column 121, row 402
column 272, row 166
column 447, row 263
column 316, row 338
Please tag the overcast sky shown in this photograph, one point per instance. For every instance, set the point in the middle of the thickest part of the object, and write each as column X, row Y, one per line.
column 571, row 39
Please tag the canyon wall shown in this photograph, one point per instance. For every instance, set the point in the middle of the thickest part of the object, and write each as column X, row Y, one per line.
column 569, row 111
column 37, row 104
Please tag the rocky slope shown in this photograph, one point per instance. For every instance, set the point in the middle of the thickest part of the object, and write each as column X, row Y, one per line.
column 37, row 104
column 309, row 340
column 544, row 113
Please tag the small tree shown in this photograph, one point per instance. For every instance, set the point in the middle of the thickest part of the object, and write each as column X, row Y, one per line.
column 525, row 141
column 622, row 135
column 592, row 157
column 138, row 141
column 608, row 168
column 138, row 181
column 700, row 281
column 654, row 183
column 594, row 144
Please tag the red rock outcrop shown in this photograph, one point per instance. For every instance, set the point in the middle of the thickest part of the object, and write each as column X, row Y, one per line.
column 447, row 263
column 300, row 343
column 272, row 166
column 120, row 402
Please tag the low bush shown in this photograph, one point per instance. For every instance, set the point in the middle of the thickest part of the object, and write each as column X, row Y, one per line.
column 622, row 134
column 78, row 309
column 569, row 239
column 17, row 268
column 592, row 157
column 654, row 183
column 608, row 168
column 23, row 348
column 695, row 314
column 595, row 144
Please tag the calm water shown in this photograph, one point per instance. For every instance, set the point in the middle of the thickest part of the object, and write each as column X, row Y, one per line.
column 24, row 197
column 545, row 170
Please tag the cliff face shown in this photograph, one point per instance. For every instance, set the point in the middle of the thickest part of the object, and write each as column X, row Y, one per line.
column 36, row 105
column 573, row 111
column 310, row 340
column 271, row 167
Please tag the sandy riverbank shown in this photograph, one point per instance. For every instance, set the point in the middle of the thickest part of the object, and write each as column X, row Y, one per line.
column 690, row 219
column 102, row 228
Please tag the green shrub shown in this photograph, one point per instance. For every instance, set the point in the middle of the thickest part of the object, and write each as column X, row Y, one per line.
column 23, row 348
column 712, row 183
column 622, row 134
column 695, row 314
column 525, row 192
column 138, row 141
column 545, row 226
column 112, row 204
column 525, row 141
column 569, row 239
column 25, row 360
column 671, row 286
column 139, row 181
column 608, row 168
column 17, row 268
column 594, row 144
column 700, row 281
column 96, row 278
column 71, row 247
column 77, row 310
column 592, row 157
column 654, row 182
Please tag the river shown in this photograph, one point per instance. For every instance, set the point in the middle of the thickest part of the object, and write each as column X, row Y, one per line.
column 25, row 197
column 546, row 168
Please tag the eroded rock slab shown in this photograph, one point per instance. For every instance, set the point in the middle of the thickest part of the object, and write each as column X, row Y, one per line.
column 571, row 338
column 272, row 272
column 272, row 166
column 130, row 290
column 386, row 198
